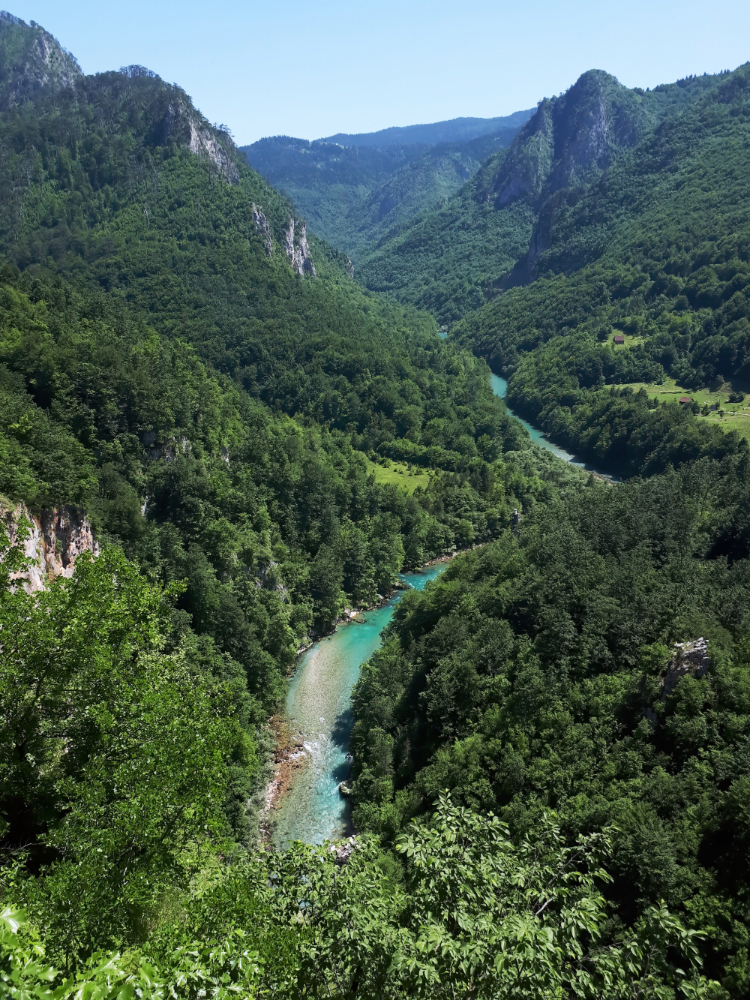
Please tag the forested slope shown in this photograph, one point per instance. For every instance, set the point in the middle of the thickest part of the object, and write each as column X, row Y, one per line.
column 656, row 251
column 540, row 673
column 356, row 190
column 452, row 260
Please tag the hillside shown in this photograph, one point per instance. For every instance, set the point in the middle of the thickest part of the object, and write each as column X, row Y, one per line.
column 453, row 259
column 542, row 674
column 353, row 191
column 214, row 443
column 656, row 252
column 456, row 130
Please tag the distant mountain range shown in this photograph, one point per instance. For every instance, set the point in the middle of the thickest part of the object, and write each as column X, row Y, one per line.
column 355, row 190
column 454, row 130
column 491, row 232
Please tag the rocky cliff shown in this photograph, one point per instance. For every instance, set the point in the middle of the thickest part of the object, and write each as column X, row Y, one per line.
column 30, row 58
column 297, row 249
column 568, row 138
column 54, row 541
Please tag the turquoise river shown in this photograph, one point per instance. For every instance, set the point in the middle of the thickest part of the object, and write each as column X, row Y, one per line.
column 318, row 704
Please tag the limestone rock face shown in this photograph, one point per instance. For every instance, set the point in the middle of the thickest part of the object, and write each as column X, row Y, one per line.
column 567, row 139
column 297, row 249
column 261, row 224
column 55, row 540
column 203, row 142
column 687, row 658
column 30, row 58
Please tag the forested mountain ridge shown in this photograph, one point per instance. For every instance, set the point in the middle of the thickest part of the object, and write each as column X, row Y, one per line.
column 455, row 130
column 181, row 362
column 450, row 261
column 654, row 252
column 354, row 194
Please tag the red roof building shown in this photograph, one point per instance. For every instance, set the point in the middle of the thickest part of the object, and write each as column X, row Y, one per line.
column 619, row 339
column 685, row 399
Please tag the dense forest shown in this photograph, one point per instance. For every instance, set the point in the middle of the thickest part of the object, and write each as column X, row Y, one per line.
column 655, row 250
column 358, row 190
column 550, row 796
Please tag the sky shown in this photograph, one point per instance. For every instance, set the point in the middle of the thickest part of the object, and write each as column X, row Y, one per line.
column 311, row 68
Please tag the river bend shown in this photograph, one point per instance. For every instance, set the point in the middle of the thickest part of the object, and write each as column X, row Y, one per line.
column 318, row 702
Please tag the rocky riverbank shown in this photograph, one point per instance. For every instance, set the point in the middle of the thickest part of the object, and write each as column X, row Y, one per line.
column 289, row 757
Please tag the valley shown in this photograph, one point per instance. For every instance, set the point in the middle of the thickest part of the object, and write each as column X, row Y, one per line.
column 247, row 393
column 356, row 189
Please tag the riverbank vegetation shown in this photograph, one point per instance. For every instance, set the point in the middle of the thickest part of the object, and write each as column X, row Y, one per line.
column 214, row 394
column 535, row 675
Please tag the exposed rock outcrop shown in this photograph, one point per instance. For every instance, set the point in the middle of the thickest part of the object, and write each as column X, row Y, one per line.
column 54, row 541
column 568, row 138
column 297, row 249
column 204, row 142
column 30, row 59
column 261, row 224
column 167, row 450
column 687, row 658
column 349, row 267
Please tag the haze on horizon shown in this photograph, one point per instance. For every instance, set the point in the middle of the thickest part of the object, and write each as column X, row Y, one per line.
column 311, row 71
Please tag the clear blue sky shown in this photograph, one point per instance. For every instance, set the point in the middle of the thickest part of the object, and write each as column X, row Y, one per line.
column 310, row 68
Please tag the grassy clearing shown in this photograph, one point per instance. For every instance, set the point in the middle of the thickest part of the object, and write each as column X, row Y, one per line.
column 399, row 475
column 729, row 416
column 631, row 340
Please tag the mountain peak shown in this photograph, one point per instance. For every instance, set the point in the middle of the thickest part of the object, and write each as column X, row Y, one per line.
column 568, row 137
column 30, row 59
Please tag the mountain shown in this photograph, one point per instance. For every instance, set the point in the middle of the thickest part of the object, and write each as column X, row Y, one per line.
column 30, row 58
column 354, row 193
column 234, row 442
column 190, row 374
column 147, row 223
column 654, row 250
column 456, row 130
column 451, row 259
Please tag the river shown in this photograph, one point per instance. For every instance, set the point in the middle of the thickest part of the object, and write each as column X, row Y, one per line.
column 318, row 704
column 500, row 388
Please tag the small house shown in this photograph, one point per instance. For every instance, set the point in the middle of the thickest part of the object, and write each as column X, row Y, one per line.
column 619, row 338
column 686, row 399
